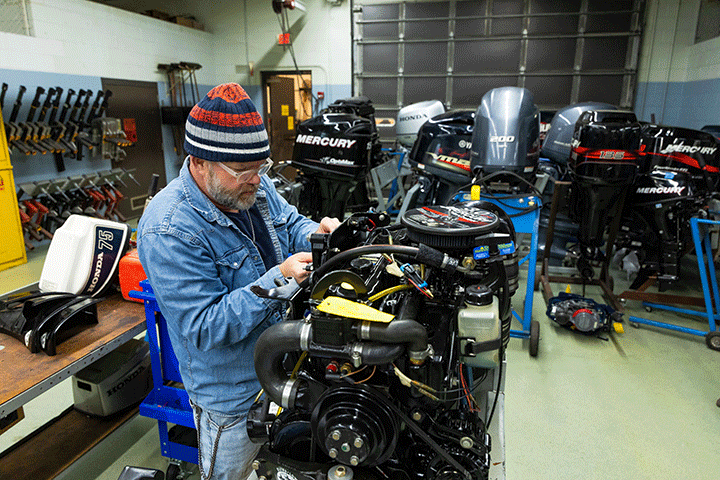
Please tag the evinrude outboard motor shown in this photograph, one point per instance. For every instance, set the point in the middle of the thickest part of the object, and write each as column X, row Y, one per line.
column 333, row 153
column 411, row 117
column 375, row 379
column 506, row 136
column 603, row 165
column 441, row 156
column 680, row 170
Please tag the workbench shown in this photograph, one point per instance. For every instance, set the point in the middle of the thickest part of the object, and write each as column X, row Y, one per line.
column 25, row 375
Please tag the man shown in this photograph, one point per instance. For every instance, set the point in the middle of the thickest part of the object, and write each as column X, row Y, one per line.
column 213, row 232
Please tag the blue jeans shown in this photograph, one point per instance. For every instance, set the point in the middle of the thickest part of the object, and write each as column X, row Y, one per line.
column 224, row 449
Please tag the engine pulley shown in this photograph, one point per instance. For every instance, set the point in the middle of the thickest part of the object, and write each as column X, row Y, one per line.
column 353, row 426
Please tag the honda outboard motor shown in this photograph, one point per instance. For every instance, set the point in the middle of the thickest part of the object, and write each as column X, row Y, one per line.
column 506, row 136
column 680, row 169
column 333, row 153
column 603, row 164
column 411, row 117
column 441, row 155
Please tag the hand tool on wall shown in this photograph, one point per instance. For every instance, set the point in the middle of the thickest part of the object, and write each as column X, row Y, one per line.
column 60, row 129
column 2, row 95
column 31, row 132
column 45, row 129
column 32, row 211
column 15, row 130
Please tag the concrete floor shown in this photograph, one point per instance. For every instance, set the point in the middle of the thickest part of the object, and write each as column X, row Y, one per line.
column 640, row 407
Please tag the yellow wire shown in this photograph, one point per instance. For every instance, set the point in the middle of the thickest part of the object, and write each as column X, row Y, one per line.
column 388, row 291
column 297, row 365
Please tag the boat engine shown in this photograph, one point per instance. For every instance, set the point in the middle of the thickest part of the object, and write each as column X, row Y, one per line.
column 603, row 164
column 679, row 172
column 441, row 156
column 506, row 138
column 333, row 154
column 379, row 373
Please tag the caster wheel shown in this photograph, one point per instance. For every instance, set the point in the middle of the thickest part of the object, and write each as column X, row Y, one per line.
column 173, row 472
column 648, row 309
column 712, row 339
column 534, row 337
column 718, row 402
column 635, row 324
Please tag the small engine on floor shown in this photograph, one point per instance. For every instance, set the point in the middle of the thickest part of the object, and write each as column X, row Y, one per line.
column 391, row 336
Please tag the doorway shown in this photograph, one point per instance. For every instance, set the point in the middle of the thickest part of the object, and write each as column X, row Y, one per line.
column 287, row 98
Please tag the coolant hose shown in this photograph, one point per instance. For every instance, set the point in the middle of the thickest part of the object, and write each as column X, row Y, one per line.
column 294, row 336
column 270, row 349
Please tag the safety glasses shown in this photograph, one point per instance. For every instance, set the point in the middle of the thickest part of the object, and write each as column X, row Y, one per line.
column 246, row 175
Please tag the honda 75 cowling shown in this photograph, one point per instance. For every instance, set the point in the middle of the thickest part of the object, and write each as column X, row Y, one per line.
column 392, row 347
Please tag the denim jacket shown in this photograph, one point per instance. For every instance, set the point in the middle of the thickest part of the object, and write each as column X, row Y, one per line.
column 201, row 267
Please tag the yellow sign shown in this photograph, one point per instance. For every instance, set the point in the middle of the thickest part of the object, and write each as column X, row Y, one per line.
column 291, row 123
column 285, row 110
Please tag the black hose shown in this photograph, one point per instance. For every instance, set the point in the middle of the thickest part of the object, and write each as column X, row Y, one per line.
column 270, row 349
column 422, row 254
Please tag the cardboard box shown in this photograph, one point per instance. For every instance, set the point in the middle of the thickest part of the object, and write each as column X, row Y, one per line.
column 184, row 21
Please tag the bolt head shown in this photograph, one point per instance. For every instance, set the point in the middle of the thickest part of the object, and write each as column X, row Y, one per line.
column 255, row 465
column 335, row 435
column 345, row 447
column 354, row 461
column 333, row 453
column 358, row 442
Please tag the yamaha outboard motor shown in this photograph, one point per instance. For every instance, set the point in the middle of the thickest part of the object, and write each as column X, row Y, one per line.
column 505, row 141
column 680, row 169
column 602, row 165
column 333, row 153
column 441, row 156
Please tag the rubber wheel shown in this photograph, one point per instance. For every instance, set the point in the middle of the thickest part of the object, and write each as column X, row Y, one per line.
column 534, row 337
column 712, row 339
column 648, row 309
column 173, row 472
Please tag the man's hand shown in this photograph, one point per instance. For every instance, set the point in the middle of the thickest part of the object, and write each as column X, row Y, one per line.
column 327, row 225
column 294, row 266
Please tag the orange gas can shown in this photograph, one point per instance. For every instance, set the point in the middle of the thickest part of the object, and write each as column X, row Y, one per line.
column 131, row 274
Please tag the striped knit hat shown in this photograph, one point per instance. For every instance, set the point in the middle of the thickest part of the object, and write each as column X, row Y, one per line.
column 226, row 127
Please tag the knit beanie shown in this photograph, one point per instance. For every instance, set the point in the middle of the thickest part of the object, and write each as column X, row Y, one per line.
column 226, row 127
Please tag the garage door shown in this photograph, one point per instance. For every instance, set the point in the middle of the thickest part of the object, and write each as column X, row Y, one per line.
column 564, row 51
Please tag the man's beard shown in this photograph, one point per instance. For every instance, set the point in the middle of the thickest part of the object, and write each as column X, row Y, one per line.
column 230, row 199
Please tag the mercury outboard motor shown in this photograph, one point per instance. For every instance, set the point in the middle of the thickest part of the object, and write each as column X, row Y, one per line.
column 603, row 165
column 441, row 156
column 333, row 153
column 680, row 170
column 556, row 145
column 505, row 141
column 554, row 156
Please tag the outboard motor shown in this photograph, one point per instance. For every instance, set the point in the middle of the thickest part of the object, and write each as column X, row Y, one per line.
column 680, row 170
column 441, row 156
column 602, row 165
column 554, row 156
column 556, row 145
column 505, row 141
column 411, row 117
column 333, row 153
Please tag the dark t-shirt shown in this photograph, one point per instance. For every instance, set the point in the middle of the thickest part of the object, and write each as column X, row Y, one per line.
column 256, row 231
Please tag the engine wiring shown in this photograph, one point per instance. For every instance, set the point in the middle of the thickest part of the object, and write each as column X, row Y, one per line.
column 472, row 403
column 421, row 387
